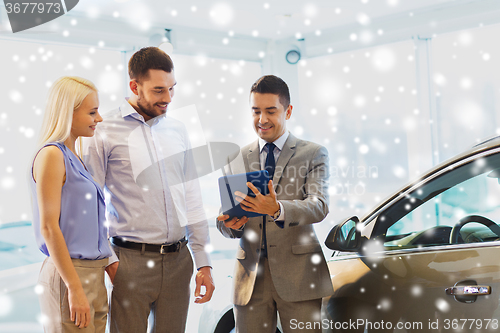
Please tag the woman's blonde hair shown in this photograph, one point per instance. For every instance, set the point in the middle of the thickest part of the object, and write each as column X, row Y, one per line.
column 65, row 96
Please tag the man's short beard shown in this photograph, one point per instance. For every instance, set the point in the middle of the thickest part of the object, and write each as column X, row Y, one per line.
column 145, row 110
column 148, row 111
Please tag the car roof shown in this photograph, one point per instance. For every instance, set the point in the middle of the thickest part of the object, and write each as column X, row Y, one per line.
column 485, row 145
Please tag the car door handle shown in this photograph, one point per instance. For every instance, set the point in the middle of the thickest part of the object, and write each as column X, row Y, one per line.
column 468, row 290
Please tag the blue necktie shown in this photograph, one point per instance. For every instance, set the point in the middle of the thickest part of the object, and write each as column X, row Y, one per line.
column 269, row 166
column 270, row 163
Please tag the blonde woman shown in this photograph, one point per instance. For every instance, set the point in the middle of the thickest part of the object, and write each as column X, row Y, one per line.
column 68, row 213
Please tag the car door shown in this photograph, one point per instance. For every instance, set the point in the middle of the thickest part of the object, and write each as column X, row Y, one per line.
column 432, row 258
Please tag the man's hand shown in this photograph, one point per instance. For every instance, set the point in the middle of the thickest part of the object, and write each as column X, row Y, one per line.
column 235, row 223
column 204, row 278
column 262, row 204
column 111, row 270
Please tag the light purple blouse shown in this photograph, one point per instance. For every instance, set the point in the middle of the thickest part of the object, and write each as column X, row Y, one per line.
column 82, row 211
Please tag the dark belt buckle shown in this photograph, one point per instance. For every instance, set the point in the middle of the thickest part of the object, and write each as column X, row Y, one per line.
column 168, row 248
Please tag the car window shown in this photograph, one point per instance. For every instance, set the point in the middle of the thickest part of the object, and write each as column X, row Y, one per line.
column 460, row 206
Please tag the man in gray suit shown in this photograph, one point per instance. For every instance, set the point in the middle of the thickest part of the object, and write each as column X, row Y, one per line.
column 280, row 267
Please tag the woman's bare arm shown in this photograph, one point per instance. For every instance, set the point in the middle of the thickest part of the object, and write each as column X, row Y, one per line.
column 49, row 173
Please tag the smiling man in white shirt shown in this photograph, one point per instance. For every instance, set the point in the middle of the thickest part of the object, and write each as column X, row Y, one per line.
column 143, row 159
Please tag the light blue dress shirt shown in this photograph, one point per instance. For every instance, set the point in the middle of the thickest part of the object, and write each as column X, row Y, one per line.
column 149, row 178
column 82, row 211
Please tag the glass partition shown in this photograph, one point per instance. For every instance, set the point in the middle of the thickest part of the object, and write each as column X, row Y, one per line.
column 362, row 106
column 466, row 88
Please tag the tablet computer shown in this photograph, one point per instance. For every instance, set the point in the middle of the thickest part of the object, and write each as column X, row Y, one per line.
column 228, row 185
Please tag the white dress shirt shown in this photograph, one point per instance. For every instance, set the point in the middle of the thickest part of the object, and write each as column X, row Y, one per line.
column 146, row 168
column 279, row 143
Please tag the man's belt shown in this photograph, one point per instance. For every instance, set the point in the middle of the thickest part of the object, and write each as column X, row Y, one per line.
column 158, row 248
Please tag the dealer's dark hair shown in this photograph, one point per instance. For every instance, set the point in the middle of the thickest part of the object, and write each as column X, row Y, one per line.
column 148, row 58
column 271, row 84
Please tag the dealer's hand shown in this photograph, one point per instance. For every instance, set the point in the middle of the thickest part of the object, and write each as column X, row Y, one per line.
column 262, row 204
column 234, row 223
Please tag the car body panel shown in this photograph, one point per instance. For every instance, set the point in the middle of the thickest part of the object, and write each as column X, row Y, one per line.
column 411, row 286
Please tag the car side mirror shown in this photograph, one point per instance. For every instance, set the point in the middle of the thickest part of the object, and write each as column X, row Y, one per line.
column 495, row 174
column 345, row 236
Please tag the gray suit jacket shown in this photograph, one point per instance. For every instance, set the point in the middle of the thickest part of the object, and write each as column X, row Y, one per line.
column 296, row 262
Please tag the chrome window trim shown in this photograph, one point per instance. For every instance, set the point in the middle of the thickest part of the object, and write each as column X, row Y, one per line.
column 426, row 180
column 417, row 250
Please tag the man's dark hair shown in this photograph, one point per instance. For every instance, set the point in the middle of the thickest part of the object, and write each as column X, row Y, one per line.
column 270, row 84
column 148, row 58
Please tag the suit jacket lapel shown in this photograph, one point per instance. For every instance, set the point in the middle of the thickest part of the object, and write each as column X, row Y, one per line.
column 253, row 157
column 285, row 155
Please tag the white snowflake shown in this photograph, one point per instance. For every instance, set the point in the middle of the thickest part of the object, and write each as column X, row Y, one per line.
column 5, row 305
column 442, row 305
